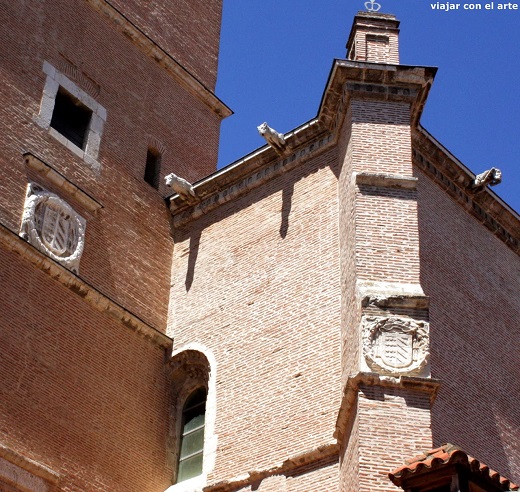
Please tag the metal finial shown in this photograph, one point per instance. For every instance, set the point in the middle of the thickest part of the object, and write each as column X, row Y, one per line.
column 372, row 6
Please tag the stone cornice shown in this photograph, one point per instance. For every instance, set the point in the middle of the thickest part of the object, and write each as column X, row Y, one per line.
column 379, row 81
column 290, row 465
column 163, row 58
column 347, row 79
column 351, row 389
column 62, row 182
column 367, row 81
column 33, row 467
column 89, row 294
column 251, row 172
column 456, row 180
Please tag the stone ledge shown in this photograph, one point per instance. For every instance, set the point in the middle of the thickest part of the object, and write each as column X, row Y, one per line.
column 62, row 182
column 351, row 389
column 384, row 290
column 247, row 174
column 30, row 466
column 382, row 180
column 289, row 465
column 451, row 175
column 90, row 295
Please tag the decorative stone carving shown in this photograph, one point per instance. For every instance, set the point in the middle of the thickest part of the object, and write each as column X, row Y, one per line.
column 490, row 177
column 395, row 346
column 274, row 139
column 181, row 186
column 52, row 226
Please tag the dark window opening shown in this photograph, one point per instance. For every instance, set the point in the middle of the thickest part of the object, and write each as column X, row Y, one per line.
column 152, row 168
column 71, row 118
column 192, row 436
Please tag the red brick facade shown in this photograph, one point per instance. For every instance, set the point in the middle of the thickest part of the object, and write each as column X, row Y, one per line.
column 346, row 303
column 84, row 390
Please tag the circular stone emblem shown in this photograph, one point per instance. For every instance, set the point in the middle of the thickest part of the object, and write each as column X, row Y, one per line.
column 53, row 226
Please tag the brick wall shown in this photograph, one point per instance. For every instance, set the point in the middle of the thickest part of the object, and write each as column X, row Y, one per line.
column 80, row 393
column 473, row 280
column 129, row 239
column 350, row 308
column 379, row 243
column 349, row 456
column 257, row 282
column 381, row 137
column 188, row 29
column 387, row 243
column 374, row 38
column 393, row 424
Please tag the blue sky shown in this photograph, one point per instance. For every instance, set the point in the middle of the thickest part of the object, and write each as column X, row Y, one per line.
column 276, row 56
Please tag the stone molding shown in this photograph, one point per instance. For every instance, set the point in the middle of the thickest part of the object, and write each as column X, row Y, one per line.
column 391, row 294
column 89, row 294
column 238, row 178
column 60, row 181
column 387, row 92
column 382, row 180
column 52, row 226
column 291, row 464
column 390, row 82
column 355, row 381
column 195, row 363
column 395, row 345
column 209, row 200
column 366, row 80
column 456, row 180
column 26, row 469
column 163, row 58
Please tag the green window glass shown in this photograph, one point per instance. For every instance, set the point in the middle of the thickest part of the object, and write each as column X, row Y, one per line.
column 192, row 437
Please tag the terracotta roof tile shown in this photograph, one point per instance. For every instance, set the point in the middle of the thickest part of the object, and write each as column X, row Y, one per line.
column 448, row 454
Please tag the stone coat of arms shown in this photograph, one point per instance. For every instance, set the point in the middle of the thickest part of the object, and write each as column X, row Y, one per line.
column 52, row 226
column 395, row 346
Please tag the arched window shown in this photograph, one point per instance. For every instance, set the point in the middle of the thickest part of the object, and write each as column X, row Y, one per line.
column 192, row 435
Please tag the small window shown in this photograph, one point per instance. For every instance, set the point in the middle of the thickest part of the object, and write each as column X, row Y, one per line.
column 153, row 168
column 71, row 118
column 192, row 436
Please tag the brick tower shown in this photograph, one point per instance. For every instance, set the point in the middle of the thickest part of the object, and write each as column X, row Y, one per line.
column 100, row 100
column 385, row 325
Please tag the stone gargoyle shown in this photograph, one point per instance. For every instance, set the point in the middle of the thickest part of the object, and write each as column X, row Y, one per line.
column 182, row 187
column 274, row 139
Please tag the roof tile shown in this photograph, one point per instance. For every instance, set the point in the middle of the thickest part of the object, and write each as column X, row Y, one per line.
column 448, row 454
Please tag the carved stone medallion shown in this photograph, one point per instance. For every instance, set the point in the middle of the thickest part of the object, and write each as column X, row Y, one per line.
column 52, row 226
column 395, row 345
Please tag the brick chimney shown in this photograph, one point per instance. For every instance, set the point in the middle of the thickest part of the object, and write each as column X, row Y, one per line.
column 374, row 38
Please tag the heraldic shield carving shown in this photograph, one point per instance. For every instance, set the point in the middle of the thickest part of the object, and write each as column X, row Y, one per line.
column 51, row 225
column 394, row 345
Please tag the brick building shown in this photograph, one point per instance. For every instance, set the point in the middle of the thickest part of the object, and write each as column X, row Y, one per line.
column 305, row 319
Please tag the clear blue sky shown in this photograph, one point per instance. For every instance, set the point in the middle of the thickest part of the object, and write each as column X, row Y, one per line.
column 276, row 56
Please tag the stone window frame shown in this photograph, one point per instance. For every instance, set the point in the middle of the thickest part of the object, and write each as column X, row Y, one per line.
column 54, row 81
column 194, row 366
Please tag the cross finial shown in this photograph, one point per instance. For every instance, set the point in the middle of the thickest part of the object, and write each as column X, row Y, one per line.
column 372, row 6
